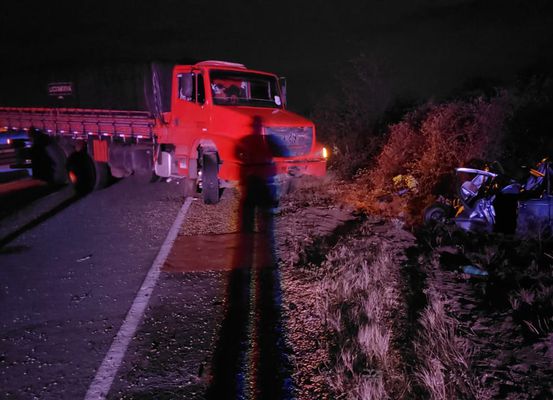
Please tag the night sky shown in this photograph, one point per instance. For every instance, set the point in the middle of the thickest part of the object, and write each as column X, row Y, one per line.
column 423, row 47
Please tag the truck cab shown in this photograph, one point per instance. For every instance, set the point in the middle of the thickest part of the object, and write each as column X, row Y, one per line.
column 239, row 117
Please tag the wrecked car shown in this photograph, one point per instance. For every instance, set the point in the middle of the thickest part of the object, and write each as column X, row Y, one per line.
column 487, row 201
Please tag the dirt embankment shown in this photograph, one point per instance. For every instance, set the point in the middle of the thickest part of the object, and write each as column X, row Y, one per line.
column 374, row 312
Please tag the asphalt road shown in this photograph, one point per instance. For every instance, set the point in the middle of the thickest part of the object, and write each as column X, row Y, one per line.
column 72, row 279
column 67, row 284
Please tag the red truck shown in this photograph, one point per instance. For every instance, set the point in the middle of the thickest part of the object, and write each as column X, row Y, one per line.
column 212, row 123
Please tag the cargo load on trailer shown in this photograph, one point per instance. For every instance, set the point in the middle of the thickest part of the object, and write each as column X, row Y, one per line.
column 123, row 86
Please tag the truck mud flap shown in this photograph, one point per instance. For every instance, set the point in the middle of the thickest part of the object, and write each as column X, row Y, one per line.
column 125, row 160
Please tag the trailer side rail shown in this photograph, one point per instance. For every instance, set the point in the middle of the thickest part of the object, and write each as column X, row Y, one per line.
column 79, row 123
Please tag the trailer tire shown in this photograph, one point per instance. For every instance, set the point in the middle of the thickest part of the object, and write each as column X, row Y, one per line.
column 210, row 180
column 86, row 174
column 49, row 164
column 58, row 168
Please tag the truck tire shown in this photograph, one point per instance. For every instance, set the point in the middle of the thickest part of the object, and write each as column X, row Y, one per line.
column 86, row 174
column 58, row 169
column 210, row 180
column 49, row 164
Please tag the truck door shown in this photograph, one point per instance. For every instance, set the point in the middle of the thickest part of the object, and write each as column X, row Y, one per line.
column 190, row 117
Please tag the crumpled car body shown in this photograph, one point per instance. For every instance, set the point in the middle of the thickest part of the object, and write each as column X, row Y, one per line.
column 490, row 202
column 535, row 205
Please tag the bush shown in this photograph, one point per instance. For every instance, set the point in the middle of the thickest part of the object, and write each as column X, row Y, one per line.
column 427, row 145
column 417, row 155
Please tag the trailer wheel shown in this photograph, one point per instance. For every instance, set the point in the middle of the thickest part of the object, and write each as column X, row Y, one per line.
column 48, row 163
column 86, row 174
column 210, row 180
column 58, row 169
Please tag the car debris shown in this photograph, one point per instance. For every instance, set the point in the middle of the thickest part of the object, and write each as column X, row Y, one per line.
column 473, row 270
column 87, row 257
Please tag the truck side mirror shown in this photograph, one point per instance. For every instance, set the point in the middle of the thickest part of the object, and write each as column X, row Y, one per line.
column 186, row 87
column 282, row 82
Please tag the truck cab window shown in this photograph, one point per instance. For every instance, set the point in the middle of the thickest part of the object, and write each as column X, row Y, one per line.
column 186, row 86
column 231, row 88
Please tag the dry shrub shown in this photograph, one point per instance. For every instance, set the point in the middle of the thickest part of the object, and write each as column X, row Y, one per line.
column 455, row 133
column 402, row 147
column 428, row 145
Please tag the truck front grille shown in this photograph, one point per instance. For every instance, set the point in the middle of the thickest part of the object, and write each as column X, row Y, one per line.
column 289, row 141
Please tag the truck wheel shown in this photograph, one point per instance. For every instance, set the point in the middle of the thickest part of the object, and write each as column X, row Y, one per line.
column 48, row 163
column 86, row 174
column 210, row 180
column 58, row 160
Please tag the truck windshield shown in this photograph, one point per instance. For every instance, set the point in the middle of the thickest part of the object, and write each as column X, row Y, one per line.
column 244, row 89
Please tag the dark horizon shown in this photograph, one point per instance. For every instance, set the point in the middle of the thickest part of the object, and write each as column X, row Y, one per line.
column 424, row 48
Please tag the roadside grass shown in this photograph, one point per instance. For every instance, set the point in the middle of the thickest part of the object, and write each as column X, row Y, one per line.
column 520, row 274
column 444, row 356
column 358, row 299
column 511, row 312
column 361, row 302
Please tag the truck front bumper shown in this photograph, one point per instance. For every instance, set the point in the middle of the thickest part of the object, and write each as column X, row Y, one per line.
column 238, row 172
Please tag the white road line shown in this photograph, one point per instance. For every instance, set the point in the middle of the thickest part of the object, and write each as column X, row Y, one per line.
column 101, row 385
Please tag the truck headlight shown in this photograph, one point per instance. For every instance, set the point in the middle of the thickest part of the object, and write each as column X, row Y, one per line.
column 324, row 153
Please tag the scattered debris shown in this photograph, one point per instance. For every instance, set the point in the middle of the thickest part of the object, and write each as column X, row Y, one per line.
column 474, row 270
column 405, row 183
column 88, row 257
